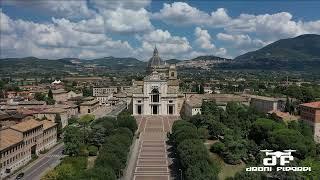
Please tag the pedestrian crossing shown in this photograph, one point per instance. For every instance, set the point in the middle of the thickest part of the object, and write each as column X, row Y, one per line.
column 55, row 155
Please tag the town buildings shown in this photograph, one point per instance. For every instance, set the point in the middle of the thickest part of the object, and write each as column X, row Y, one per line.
column 104, row 94
column 20, row 141
column 310, row 113
column 193, row 102
column 89, row 106
column 267, row 104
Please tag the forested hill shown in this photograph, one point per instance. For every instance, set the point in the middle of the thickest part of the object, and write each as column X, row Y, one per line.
column 301, row 52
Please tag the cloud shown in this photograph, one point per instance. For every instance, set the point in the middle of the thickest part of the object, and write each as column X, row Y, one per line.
column 72, row 9
column 180, row 13
column 124, row 4
column 127, row 20
column 203, row 39
column 168, row 45
column 55, row 40
column 241, row 42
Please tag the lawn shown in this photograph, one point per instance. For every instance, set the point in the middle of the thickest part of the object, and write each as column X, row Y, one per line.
column 227, row 170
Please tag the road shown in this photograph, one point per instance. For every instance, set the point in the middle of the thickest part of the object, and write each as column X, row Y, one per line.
column 117, row 110
column 47, row 161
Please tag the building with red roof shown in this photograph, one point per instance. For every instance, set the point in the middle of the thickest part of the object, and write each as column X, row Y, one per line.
column 310, row 113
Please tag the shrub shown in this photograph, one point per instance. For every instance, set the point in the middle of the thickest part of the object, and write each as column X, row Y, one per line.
column 83, row 150
column 217, row 147
column 93, row 150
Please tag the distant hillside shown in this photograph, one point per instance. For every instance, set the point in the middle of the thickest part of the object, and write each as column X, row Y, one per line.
column 301, row 52
column 173, row 61
column 209, row 58
column 117, row 63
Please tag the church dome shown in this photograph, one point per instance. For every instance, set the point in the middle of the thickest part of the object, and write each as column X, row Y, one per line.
column 155, row 60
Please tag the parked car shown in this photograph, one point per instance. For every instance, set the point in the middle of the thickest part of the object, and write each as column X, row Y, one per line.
column 20, row 176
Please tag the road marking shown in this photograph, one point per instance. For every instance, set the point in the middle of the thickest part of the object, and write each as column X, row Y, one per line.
column 38, row 167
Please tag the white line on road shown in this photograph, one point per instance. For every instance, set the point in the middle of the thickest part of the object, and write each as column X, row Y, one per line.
column 37, row 168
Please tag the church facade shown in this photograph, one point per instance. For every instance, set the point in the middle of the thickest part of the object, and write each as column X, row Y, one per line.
column 158, row 93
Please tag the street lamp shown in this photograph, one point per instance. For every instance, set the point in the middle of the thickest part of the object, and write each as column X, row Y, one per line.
column 181, row 178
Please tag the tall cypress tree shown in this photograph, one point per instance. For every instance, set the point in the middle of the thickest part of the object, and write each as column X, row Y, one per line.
column 50, row 94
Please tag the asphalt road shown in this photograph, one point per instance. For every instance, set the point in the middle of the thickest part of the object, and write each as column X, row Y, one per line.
column 35, row 170
column 117, row 110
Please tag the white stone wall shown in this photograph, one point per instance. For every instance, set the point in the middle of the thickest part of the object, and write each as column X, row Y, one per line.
column 146, row 103
column 15, row 166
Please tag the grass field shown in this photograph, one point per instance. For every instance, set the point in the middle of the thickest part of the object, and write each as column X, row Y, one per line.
column 227, row 170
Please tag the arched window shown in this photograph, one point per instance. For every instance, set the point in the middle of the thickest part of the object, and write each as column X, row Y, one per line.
column 155, row 95
column 172, row 74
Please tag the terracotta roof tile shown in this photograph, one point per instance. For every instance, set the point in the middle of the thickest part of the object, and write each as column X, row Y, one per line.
column 26, row 125
column 9, row 137
column 312, row 104
column 47, row 124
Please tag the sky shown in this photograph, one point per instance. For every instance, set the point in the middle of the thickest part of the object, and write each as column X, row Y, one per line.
column 89, row 29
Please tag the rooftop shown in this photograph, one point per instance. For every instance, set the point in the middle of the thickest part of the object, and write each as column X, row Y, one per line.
column 26, row 125
column 32, row 103
column 315, row 104
column 264, row 98
column 194, row 101
column 47, row 124
column 54, row 110
column 9, row 137
column 284, row 115
column 59, row 91
column 90, row 103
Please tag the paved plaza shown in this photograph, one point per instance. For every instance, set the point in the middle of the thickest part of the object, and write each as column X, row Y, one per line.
column 153, row 162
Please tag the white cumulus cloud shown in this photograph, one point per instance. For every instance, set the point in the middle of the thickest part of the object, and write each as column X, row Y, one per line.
column 181, row 13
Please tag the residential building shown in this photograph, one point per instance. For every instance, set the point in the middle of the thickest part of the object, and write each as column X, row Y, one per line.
column 19, row 142
column 49, row 134
column 72, row 94
column 60, row 95
column 51, row 114
column 267, row 104
column 193, row 102
column 12, row 152
column 89, row 106
column 208, row 90
column 310, row 113
column 104, row 94
column 192, row 106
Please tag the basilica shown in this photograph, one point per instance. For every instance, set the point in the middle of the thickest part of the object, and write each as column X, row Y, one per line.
column 158, row 92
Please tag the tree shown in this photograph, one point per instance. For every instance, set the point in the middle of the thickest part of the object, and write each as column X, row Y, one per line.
column 262, row 128
column 72, row 140
column 201, row 89
column 216, row 129
column 97, row 135
column 57, row 119
column 100, row 173
column 126, row 120
column 282, row 139
column 287, row 105
column 203, row 133
column 84, row 121
column 39, row 96
column 50, row 94
column 315, row 168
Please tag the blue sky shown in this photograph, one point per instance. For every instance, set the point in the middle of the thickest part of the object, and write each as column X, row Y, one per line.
column 95, row 28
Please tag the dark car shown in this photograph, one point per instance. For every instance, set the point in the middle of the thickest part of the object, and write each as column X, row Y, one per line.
column 20, row 176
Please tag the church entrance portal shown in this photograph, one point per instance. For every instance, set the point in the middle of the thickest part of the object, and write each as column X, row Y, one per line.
column 154, row 109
